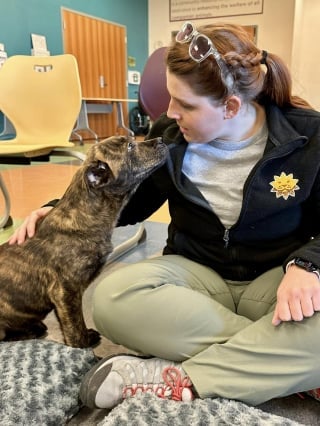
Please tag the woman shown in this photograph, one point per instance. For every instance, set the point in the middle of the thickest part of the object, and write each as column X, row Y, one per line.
column 231, row 309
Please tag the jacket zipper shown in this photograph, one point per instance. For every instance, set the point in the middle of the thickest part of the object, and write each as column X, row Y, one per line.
column 226, row 238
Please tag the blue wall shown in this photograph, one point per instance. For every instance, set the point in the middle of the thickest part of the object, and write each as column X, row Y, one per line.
column 20, row 18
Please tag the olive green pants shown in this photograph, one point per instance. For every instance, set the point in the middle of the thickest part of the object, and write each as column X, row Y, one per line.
column 173, row 308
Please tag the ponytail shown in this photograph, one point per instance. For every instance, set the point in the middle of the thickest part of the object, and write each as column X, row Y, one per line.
column 277, row 85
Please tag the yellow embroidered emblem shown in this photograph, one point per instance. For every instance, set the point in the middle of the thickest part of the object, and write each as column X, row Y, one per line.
column 284, row 185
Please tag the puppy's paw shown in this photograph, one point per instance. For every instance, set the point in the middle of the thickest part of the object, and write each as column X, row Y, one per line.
column 93, row 337
column 86, row 339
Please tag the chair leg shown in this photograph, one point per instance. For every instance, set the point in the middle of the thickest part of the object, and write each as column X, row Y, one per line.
column 83, row 123
column 120, row 118
column 79, row 137
column 6, row 220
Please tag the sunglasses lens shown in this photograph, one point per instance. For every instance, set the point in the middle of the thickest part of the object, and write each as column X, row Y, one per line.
column 185, row 33
column 200, row 48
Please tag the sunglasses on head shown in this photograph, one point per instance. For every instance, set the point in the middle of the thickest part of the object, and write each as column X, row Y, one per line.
column 201, row 47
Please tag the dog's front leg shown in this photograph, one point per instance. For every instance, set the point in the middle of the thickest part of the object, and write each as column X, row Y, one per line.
column 68, row 308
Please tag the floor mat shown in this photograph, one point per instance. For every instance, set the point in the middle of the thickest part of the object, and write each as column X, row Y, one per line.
column 147, row 409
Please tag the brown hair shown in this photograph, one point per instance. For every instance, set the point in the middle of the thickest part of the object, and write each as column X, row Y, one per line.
column 243, row 61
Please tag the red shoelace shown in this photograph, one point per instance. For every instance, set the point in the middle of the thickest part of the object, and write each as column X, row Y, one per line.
column 172, row 388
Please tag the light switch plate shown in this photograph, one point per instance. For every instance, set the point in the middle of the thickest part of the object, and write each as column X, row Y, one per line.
column 134, row 77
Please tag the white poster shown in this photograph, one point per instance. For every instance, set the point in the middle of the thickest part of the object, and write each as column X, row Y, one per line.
column 39, row 44
column 181, row 10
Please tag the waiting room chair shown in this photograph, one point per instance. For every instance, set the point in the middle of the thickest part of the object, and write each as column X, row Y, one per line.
column 41, row 97
column 154, row 97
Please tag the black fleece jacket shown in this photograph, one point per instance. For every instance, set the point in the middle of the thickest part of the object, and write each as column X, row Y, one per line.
column 280, row 214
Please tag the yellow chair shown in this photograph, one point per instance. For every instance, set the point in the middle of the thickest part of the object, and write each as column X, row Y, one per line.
column 41, row 97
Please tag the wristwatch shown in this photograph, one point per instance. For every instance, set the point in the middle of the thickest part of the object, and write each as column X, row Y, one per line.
column 306, row 265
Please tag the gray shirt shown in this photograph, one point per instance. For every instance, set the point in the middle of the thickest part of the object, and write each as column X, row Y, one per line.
column 219, row 169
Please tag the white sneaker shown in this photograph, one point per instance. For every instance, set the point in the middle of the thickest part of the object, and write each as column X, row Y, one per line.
column 122, row 376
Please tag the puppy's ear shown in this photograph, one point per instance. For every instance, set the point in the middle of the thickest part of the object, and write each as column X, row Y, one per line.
column 98, row 174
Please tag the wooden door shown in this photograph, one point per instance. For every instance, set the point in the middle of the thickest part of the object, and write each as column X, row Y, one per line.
column 101, row 51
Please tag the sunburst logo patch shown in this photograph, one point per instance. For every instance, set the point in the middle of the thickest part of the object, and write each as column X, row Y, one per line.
column 284, row 185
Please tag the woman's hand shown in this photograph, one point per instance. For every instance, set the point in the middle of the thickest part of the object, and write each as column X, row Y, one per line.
column 28, row 227
column 298, row 296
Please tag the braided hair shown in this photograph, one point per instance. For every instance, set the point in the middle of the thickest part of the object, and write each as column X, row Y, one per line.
column 256, row 74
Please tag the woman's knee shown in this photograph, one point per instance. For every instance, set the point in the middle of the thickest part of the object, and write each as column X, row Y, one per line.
column 120, row 296
column 107, row 301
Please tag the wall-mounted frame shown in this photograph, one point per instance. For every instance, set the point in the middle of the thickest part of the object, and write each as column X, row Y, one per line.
column 182, row 10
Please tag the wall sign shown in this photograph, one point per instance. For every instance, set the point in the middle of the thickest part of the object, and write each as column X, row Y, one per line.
column 39, row 44
column 181, row 10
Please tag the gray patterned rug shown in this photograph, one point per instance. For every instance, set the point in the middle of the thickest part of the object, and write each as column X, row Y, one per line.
column 149, row 410
column 39, row 382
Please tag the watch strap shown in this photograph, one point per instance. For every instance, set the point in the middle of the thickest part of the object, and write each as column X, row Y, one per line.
column 314, row 270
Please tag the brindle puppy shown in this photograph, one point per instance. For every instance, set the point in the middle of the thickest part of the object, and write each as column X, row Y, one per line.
column 71, row 245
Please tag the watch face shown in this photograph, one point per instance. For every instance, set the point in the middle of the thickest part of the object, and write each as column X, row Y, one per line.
column 308, row 266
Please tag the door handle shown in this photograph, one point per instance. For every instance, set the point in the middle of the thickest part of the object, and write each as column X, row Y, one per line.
column 102, row 82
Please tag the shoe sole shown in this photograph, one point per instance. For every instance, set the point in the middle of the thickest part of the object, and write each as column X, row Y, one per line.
column 96, row 376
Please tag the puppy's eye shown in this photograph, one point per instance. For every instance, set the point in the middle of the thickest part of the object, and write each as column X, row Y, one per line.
column 130, row 146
